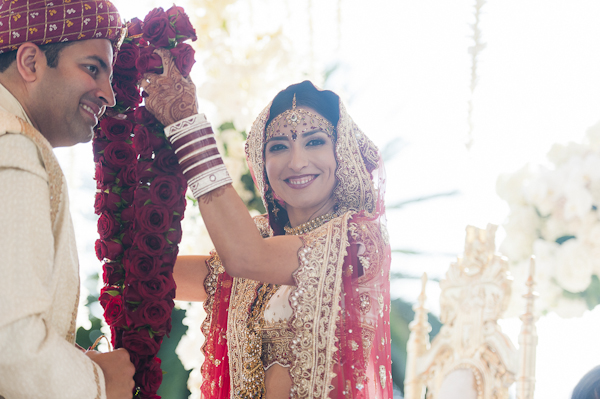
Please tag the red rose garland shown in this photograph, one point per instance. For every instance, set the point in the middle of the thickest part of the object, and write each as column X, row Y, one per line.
column 140, row 198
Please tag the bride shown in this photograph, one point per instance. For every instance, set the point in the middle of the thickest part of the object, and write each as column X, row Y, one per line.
column 297, row 300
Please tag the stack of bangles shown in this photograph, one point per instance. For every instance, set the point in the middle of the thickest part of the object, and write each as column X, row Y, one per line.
column 194, row 144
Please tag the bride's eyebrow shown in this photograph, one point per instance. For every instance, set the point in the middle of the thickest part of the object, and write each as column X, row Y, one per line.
column 311, row 132
column 278, row 138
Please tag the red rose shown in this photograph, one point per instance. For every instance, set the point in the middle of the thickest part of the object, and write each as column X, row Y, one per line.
column 116, row 129
column 98, row 146
column 127, row 56
column 149, row 61
column 105, row 294
column 140, row 265
column 113, row 201
column 184, row 58
column 128, row 175
column 113, row 249
column 130, row 291
column 169, row 258
column 100, row 250
column 108, row 249
column 128, row 234
column 143, row 116
column 127, row 215
column 142, row 195
column 181, row 23
column 153, row 313
column 154, row 219
column 127, row 195
column 107, row 226
column 100, row 203
column 104, row 174
column 149, row 378
column 157, row 29
column 156, row 139
column 128, row 94
column 127, row 76
column 114, row 312
column 152, row 244
column 166, row 160
column 140, row 342
column 112, row 273
column 134, row 27
column 119, row 154
column 174, row 235
column 141, row 141
column 165, row 190
column 159, row 287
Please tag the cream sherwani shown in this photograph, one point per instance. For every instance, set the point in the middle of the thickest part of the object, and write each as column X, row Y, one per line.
column 39, row 270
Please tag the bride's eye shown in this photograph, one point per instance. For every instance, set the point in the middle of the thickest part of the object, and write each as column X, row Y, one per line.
column 277, row 147
column 315, row 142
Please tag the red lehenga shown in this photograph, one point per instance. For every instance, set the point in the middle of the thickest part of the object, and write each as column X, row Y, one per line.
column 339, row 329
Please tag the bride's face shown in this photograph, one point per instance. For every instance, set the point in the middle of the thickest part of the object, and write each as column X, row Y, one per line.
column 301, row 172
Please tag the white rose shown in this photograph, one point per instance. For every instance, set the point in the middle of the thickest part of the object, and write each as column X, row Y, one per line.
column 545, row 259
column 521, row 230
column 560, row 154
column 517, row 245
column 554, row 228
column 568, row 308
column 510, row 186
column 544, row 190
column 578, row 202
column 574, row 266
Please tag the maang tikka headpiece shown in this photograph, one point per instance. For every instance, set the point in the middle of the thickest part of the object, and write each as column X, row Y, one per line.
column 299, row 120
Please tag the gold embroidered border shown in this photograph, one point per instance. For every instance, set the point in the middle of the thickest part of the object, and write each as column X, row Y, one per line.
column 276, row 340
column 244, row 338
column 97, row 379
column 316, row 305
column 15, row 125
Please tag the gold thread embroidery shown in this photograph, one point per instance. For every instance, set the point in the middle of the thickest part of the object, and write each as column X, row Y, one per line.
column 315, row 303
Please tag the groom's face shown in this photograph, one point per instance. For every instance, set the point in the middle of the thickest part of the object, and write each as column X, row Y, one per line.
column 69, row 98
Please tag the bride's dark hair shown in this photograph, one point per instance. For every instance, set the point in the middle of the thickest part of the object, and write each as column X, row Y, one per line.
column 325, row 102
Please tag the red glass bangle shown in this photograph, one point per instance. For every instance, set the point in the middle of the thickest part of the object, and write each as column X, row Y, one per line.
column 203, row 168
column 183, row 152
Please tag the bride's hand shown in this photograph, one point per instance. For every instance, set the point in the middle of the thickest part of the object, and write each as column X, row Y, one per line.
column 169, row 97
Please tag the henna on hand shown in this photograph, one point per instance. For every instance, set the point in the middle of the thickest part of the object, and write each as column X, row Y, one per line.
column 170, row 96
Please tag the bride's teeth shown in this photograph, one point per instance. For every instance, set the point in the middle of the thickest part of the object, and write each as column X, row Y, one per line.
column 303, row 180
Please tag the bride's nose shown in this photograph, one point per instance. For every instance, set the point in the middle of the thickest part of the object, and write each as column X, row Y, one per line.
column 298, row 158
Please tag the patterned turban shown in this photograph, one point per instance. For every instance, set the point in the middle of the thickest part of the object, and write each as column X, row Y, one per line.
column 54, row 21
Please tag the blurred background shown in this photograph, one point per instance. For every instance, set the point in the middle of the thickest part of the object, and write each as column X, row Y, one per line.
column 473, row 104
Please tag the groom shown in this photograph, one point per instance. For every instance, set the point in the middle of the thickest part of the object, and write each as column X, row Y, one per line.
column 55, row 82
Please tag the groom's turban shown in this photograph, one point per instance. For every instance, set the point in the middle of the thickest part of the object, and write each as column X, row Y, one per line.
column 55, row 21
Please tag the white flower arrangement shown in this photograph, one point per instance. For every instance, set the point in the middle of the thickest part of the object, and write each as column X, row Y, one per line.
column 554, row 216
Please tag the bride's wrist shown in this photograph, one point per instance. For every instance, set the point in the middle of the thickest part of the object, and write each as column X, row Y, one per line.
column 194, row 144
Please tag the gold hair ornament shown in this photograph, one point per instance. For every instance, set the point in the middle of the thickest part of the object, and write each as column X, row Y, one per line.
column 297, row 116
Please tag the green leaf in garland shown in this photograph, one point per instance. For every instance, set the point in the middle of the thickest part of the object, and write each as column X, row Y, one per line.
column 147, row 202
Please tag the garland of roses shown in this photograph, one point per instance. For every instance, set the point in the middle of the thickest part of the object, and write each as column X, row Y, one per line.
column 140, row 198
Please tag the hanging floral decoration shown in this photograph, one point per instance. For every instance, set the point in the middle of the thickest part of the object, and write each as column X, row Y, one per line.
column 140, row 198
column 554, row 216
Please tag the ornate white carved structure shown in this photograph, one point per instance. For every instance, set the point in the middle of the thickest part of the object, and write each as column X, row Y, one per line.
column 471, row 348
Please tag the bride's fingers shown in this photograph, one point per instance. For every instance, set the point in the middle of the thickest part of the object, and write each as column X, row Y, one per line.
column 167, row 61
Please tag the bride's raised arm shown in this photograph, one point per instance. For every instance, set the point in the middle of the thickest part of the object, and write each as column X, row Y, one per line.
column 242, row 249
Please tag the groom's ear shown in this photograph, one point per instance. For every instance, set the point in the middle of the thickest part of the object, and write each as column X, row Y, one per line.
column 30, row 62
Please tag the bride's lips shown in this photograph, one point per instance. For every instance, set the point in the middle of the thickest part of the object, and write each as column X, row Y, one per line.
column 299, row 182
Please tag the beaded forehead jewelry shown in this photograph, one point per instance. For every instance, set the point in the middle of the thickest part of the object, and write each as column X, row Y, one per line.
column 298, row 118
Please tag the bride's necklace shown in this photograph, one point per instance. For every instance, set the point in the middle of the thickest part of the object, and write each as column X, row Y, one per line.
column 310, row 225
